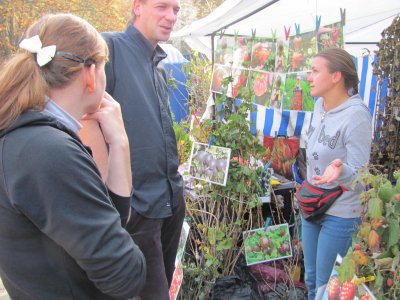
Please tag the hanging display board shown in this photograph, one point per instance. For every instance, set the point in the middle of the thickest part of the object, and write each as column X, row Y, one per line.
column 273, row 70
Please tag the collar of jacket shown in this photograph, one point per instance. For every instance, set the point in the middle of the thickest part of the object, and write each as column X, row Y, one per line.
column 154, row 54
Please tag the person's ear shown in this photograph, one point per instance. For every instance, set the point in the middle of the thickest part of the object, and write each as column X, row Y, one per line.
column 90, row 78
column 337, row 76
column 136, row 7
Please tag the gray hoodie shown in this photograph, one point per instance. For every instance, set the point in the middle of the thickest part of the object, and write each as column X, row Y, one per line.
column 344, row 132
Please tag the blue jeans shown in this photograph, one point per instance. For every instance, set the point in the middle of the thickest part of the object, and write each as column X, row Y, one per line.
column 322, row 241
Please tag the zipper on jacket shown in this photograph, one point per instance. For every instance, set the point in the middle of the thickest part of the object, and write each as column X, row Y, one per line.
column 323, row 117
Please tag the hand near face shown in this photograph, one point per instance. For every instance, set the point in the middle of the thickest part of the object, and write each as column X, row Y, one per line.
column 109, row 117
column 331, row 174
column 118, row 175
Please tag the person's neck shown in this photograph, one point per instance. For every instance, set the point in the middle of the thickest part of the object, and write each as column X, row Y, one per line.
column 65, row 98
column 139, row 28
column 333, row 100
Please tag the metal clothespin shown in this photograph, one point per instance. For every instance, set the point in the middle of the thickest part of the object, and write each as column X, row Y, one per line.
column 267, row 221
column 221, row 34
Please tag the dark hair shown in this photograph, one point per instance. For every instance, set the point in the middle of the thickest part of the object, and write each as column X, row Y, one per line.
column 24, row 84
column 340, row 60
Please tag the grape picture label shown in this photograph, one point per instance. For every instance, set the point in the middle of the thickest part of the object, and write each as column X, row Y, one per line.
column 210, row 164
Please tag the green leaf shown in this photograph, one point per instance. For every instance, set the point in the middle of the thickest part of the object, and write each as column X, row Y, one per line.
column 220, row 234
column 347, row 269
column 378, row 281
column 394, row 231
column 246, row 171
column 375, row 208
column 209, row 263
column 225, row 244
column 211, row 235
column 385, row 192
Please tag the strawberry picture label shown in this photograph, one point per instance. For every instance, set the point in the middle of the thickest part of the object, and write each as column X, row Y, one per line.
column 344, row 287
column 263, row 55
column 177, row 277
column 302, row 48
column 330, row 36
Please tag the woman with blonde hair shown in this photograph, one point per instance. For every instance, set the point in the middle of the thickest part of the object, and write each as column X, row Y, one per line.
column 60, row 225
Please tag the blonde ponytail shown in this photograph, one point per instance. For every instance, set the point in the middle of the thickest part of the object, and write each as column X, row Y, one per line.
column 22, row 87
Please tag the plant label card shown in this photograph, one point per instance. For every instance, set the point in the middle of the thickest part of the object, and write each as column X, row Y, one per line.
column 182, row 242
column 176, row 282
column 210, row 164
column 348, row 290
column 242, row 53
column 220, row 72
column 281, row 56
column 330, row 36
column 297, row 92
column 224, row 50
column 265, row 183
column 262, row 245
column 178, row 273
column 263, row 55
column 260, row 83
column 278, row 91
column 302, row 49
column 239, row 80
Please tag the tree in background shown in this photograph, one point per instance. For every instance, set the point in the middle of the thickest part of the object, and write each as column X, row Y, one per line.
column 105, row 15
column 192, row 10
column 17, row 15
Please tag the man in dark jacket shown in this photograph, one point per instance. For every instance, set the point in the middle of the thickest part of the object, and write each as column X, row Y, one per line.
column 136, row 81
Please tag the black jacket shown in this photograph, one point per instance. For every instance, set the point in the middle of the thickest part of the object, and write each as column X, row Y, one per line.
column 60, row 234
column 136, row 81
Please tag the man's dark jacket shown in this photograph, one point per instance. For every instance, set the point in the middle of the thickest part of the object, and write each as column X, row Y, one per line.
column 138, row 83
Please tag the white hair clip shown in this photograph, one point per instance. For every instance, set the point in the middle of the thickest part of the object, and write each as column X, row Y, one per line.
column 34, row 45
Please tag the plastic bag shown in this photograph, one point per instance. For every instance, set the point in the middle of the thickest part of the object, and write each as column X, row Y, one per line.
column 232, row 288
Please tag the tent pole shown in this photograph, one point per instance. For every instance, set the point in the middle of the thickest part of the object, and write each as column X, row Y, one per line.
column 214, row 108
column 212, row 48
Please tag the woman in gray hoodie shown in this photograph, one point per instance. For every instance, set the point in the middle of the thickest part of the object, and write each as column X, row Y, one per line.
column 339, row 142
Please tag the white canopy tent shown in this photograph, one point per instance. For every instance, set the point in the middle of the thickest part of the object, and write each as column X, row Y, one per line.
column 364, row 22
column 364, row 19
